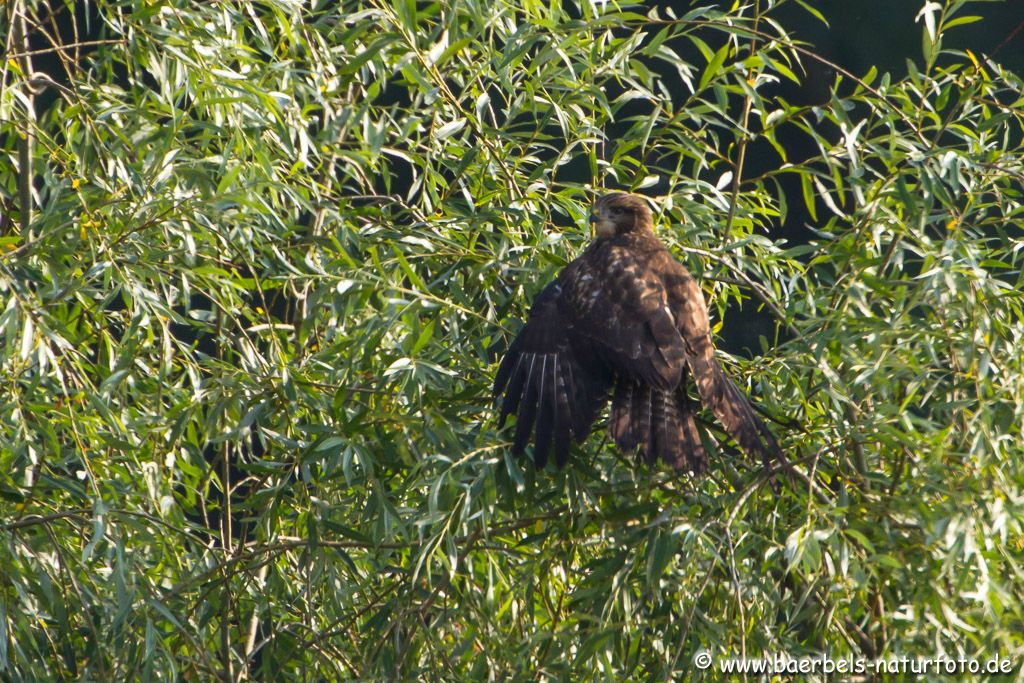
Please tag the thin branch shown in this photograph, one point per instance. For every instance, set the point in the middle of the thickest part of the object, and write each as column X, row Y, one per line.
column 25, row 175
column 65, row 46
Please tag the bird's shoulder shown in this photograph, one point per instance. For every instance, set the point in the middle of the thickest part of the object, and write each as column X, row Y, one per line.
column 632, row 255
column 625, row 269
column 610, row 275
column 615, row 254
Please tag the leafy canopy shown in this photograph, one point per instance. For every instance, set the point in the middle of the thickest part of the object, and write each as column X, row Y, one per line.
column 248, row 332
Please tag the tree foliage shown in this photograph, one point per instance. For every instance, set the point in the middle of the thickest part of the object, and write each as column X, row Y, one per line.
column 250, row 321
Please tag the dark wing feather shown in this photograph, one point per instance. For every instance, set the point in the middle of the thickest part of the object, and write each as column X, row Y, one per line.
column 527, row 406
column 716, row 390
column 731, row 407
column 563, row 409
column 547, row 423
column 586, row 392
column 544, row 382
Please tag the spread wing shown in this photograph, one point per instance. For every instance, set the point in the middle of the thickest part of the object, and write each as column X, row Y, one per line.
column 547, row 383
column 729, row 405
column 619, row 305
column 716, row 390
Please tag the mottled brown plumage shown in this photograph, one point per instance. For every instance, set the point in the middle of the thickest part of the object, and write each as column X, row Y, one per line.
column 625, row 319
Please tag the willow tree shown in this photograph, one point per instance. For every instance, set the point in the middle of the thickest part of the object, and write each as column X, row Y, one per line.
column 258, row 262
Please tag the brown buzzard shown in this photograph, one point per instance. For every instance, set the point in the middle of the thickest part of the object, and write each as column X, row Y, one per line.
column 627, row 318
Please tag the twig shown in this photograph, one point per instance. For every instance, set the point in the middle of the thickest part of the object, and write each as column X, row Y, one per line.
column 24, row 142
column 65, row 46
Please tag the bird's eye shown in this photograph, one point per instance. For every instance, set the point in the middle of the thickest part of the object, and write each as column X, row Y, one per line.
column 616, row 211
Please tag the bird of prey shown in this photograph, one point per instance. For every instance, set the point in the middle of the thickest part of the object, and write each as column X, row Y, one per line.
column 625, row 318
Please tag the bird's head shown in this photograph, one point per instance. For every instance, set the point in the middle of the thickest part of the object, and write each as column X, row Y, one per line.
column 617, row 213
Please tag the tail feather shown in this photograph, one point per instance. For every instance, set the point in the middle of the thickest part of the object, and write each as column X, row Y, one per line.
column 642, row 412
column 659, row 423
column 693, row 447
column 664, row 426
column 620, row 425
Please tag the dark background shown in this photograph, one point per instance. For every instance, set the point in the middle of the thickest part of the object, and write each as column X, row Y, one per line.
column 860, row 34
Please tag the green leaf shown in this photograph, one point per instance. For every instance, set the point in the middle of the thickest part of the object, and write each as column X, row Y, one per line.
column 714, row 66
